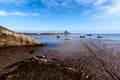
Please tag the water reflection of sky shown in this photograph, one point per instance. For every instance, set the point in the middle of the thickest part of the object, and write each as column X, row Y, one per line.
column 47, row 39
column 53, row 40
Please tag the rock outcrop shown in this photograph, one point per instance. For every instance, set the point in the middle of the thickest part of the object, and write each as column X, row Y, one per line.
column 10, row 38
column 66, row 32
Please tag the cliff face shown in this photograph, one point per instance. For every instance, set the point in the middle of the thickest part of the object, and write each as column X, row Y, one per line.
column 10, row 38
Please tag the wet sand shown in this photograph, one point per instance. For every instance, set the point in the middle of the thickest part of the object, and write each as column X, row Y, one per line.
column 99, row 58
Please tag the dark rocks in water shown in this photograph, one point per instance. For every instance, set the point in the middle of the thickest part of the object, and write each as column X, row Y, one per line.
column 10, row 38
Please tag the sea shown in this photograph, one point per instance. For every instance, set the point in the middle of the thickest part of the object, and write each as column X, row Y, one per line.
column 53, row 40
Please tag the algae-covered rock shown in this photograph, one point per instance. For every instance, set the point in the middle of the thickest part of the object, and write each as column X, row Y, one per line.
column 11, row 38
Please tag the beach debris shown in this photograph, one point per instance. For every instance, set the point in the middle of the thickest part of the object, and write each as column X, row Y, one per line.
column 43, row 56
column 58, row 64
column 83, row 75
column 41, row 59
column 72, row 69
column 87, row 77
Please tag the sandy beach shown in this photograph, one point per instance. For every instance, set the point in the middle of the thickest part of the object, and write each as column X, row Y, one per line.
column 99, row 58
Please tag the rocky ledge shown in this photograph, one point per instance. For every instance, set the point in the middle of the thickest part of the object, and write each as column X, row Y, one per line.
column 10, row 38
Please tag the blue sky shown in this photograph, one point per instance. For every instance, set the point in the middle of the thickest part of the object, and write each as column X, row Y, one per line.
column 58, row 15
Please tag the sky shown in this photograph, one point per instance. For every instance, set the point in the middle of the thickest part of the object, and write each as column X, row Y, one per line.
column 102, row 16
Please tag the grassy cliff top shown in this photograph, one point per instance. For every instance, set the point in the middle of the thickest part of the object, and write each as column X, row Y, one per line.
column 11, row 38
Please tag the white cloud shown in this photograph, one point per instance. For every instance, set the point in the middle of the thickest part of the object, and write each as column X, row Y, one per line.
column 100, row 8
column 19, row 2
column 85, row 2
column 59, row 3
column 100, row 2
column 103, row 8
column 3, row 13
column 34, row 14
column 14, row 1
column 110, row 10
column 50, row 3
column 16, row 13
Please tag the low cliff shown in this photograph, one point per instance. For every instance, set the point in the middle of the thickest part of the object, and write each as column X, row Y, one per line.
column 11, row 38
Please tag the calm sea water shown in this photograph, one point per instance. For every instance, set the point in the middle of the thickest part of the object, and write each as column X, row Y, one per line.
column 52, row 40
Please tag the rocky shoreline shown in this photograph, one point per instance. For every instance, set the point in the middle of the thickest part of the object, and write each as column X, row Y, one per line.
column 97, row 58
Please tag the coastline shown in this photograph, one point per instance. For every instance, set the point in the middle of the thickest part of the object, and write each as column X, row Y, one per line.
column 97, row 57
